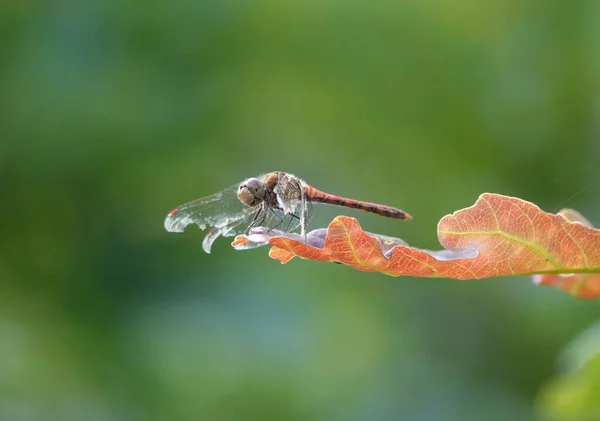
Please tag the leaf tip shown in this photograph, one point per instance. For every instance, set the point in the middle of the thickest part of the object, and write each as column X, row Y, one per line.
column 239, row 242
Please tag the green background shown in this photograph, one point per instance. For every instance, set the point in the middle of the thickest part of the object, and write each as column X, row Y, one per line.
column 112, row 112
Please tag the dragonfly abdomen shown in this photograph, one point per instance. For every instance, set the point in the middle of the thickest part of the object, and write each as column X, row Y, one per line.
column 321, row 197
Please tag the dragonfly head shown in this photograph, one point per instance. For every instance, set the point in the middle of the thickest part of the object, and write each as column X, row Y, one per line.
column 251, row 192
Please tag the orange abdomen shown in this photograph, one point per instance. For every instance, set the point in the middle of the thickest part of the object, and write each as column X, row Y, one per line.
column 316, row 195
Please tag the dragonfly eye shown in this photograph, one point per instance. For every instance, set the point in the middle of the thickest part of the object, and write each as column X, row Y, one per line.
column 256, row 187
column 251, row 192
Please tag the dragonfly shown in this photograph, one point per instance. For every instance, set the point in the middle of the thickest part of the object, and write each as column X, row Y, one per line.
column 276, row 200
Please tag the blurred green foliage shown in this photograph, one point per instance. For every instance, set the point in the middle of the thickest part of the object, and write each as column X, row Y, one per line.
column 113, row 112
column 575, row 394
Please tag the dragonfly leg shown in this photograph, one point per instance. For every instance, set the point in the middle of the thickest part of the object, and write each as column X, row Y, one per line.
column 257, row 220
column 278, row 217
column 290, row 222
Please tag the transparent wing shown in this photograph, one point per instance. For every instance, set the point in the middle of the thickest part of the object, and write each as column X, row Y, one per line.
column 277, row 219
column 293, row 200
column 222, row 212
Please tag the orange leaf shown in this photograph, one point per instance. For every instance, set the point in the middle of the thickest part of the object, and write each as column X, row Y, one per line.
column 583, row 285
column 498, row 236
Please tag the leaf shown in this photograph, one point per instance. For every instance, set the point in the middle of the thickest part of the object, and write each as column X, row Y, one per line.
column 497, row 236
column 583, row 285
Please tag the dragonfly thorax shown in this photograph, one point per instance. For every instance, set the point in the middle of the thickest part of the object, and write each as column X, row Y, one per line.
column 251, row 192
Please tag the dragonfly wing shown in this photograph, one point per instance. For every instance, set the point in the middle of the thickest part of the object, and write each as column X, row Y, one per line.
column 222, row 212
column 293, row 200
column 289, row 193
